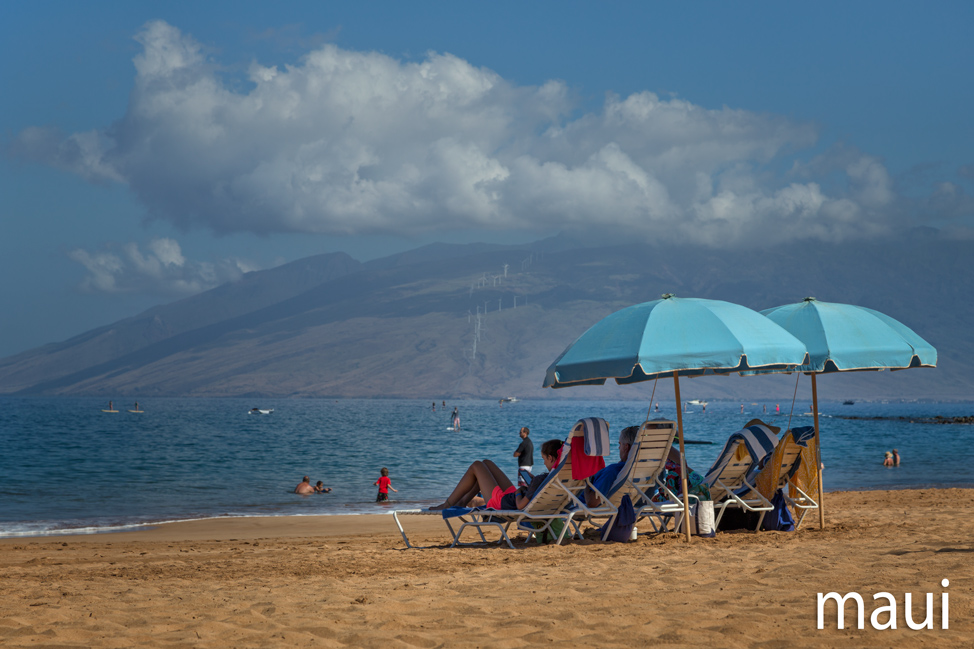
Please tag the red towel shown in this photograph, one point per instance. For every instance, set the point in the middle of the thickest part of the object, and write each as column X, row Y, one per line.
column 584, row 466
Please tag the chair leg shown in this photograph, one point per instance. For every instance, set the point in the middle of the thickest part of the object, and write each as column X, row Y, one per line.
column 719, row 514
column 568, row 524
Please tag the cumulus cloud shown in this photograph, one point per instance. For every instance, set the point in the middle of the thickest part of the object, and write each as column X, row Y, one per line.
column 161, row 270
column 347, row 142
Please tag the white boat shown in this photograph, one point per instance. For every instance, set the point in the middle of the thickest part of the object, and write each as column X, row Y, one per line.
column 258, row 411
column 510, row 400
column 697, row 402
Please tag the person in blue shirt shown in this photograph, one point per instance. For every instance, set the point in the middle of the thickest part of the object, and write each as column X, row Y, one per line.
column 604, row 479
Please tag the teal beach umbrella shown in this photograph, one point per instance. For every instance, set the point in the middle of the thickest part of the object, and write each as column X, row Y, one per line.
column 849, row 338
column 676, row 337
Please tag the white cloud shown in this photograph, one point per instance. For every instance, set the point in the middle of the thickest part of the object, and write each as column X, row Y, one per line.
column 161, row 270
column 348, row 142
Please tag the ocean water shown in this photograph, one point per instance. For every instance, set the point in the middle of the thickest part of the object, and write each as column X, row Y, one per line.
column 67, row 467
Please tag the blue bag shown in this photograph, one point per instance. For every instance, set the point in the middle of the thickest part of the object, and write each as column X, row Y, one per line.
column 622, row 525
column 779, row 518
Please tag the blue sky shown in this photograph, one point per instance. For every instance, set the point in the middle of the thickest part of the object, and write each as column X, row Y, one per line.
column 151, row 150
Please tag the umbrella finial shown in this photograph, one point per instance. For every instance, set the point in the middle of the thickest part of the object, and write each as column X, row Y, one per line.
column 809, row 299
column 667, row 296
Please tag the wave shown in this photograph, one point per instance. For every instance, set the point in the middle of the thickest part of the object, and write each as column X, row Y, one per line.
column 31, row 529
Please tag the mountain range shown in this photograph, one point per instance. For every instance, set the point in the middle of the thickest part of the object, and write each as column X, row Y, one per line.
column 485, row 321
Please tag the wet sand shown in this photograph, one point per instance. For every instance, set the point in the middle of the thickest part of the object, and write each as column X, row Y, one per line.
column 349, row 581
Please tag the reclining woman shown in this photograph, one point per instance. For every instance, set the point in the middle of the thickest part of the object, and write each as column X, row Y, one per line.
column 485, row 477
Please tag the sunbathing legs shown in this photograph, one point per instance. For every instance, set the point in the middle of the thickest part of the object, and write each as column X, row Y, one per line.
column 481, row 477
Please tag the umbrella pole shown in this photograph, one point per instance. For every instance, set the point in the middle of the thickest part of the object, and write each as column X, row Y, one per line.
column 818, row 452
column 683, row 461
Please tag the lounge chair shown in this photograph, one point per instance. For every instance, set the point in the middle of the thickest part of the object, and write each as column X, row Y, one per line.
column 560, row 498
column 640, row 479
column 730, row 478
column 791, row 468
column 781, row 465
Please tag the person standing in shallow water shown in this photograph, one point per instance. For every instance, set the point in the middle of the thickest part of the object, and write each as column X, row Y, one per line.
column 896, row 457
column 385, row 484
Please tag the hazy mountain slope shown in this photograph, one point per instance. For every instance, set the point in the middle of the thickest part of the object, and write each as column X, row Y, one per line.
column 252, row 292
column 406, row 326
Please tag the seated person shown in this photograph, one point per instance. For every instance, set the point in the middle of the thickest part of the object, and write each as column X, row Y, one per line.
column 484, row 477
column 320, row 488
column 696, row 483
column 304, row 487
column 604, row 479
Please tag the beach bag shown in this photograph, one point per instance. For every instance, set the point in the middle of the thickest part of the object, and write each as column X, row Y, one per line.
column 550, row 534
column 705, row 519
column 779, row 518
column 621, row 530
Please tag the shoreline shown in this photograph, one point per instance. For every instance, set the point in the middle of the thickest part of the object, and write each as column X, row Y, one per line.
column 234, row 527
column 318, row 524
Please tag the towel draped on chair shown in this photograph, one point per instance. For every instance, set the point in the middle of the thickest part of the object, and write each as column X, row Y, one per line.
column 759, row 441
column 587, row 458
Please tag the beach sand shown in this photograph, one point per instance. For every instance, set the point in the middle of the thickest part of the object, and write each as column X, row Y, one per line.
column 348, row 581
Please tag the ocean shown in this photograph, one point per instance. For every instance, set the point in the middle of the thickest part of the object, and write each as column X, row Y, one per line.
column 68, row 467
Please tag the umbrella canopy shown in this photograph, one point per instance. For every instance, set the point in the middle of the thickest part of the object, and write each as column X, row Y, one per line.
column 675, row 337
column 847, row 338
column 690, row 336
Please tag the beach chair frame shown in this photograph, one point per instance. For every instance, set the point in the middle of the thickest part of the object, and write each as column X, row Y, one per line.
column 746, row 497
column 640, row 478
column 781, row 467
column 733, row 486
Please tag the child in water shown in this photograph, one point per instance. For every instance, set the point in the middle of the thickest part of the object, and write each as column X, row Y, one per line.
column 385, row 484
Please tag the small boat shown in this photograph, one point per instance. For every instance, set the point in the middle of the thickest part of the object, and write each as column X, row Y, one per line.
column 848, row 402
column 259, row 411
column 509, row 400
column 697, row 402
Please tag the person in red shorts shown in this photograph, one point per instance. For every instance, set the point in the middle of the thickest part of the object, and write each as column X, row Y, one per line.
column 385, row 484
column 484, row 477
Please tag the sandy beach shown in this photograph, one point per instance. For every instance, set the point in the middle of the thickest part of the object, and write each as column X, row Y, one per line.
column 349, row 581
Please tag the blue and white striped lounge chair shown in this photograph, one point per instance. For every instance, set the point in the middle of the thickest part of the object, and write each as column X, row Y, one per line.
column 731, row 477
column 560, row 498
column 640, row 479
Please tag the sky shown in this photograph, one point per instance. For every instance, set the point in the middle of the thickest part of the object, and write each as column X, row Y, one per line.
column 153, row 150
